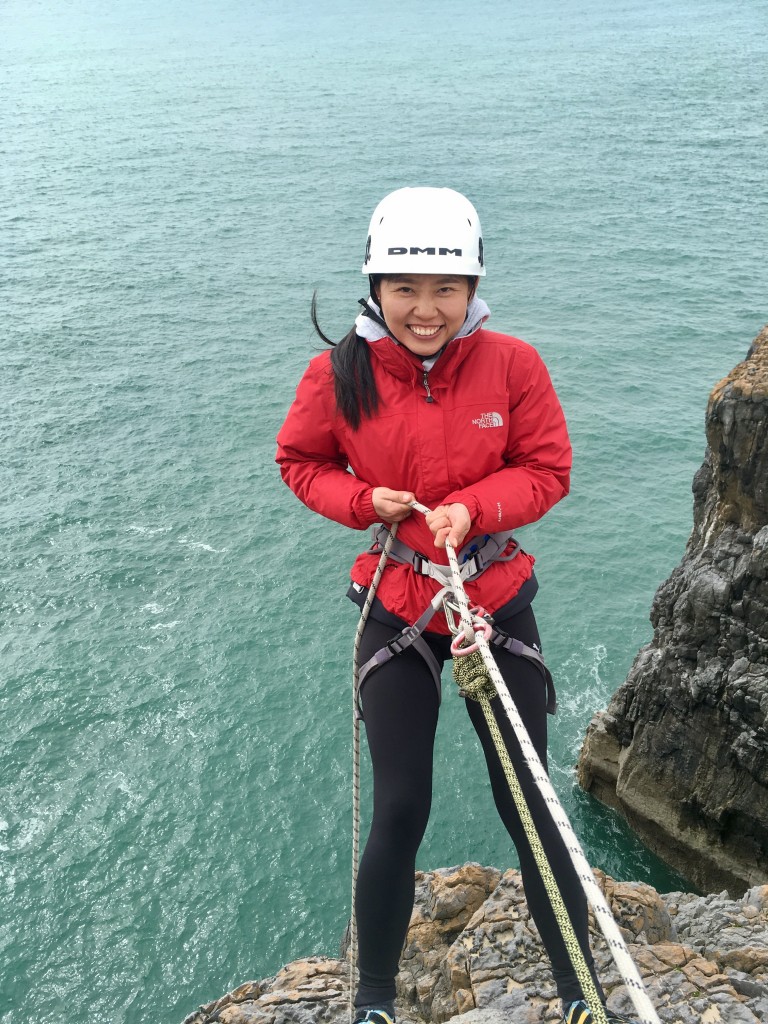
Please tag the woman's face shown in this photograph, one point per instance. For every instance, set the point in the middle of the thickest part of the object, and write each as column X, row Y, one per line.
column 424, row 311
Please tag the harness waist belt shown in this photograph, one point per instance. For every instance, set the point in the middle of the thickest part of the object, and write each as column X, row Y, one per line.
column 474, row 558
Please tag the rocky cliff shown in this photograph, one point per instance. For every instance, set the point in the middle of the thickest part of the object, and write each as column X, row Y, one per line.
column 682, row 750
column 473, row 956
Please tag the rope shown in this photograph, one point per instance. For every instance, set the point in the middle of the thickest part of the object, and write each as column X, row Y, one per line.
column 603, row 915
column 490, row 685
column 472, row 676
column 352, row 946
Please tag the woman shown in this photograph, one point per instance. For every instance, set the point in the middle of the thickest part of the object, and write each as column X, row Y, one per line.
column 422, row 403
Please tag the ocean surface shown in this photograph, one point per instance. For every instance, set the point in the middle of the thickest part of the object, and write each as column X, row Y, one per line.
column 175, row 643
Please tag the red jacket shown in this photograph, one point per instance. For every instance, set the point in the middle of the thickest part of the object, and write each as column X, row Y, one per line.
column 494, row 438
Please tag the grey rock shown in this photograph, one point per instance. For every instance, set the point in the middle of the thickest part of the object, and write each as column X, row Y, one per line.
column 473, row 956
column 481, row 1017
column 682, row 749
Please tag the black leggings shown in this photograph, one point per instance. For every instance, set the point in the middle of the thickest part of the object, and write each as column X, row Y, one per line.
column 400, row 705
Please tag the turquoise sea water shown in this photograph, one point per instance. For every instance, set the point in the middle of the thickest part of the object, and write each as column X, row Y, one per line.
column 176, row 179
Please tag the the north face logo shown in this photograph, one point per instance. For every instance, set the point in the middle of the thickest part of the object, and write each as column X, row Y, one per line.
column 488, row 420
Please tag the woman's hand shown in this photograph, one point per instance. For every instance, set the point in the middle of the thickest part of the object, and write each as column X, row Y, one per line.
column 392, row 506
column 449, row 522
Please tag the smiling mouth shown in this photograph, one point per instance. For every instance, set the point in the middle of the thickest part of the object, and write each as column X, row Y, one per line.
column 424, row 332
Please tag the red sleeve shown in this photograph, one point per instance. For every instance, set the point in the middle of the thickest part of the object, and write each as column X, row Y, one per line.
column 310, row 454
column 537, row 458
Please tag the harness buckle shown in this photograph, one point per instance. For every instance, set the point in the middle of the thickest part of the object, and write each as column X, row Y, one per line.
column 470, row 566
column 498, row 638
column 421, row 564
column 403, row 640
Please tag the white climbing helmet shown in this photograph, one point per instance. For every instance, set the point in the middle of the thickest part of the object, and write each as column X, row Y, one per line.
column 425, row 231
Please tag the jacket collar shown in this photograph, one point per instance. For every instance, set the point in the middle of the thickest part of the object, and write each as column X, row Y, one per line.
column 401, row 362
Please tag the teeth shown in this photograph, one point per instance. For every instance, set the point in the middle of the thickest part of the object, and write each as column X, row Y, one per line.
column 424, row 332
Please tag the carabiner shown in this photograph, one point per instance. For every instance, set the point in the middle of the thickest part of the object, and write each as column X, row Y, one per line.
column 479, row 627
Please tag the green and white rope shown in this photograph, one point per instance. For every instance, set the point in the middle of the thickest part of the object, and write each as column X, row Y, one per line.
column 474, row 681
column 603, row 915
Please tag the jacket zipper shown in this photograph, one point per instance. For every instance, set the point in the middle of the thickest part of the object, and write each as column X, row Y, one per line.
column 425, row 381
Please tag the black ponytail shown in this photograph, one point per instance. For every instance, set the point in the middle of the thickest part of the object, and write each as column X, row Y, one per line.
column 354, row 383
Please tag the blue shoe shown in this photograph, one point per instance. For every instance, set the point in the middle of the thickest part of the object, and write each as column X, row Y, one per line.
column 580, row 1013
column 374, row 1016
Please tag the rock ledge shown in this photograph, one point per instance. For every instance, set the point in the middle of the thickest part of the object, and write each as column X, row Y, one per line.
column 473, row 956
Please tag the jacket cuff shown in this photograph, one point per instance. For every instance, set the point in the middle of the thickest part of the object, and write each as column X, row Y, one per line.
column 466, row 499
column 363, row 509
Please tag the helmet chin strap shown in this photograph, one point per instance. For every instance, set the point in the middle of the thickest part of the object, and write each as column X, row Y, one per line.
column 374, row 294
column 372, row 314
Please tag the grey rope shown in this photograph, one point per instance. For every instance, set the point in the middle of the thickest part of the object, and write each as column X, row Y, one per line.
column 352, row 948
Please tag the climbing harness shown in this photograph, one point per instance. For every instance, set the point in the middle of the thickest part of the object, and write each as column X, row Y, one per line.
column 411, row 636
column 479, row 678
column 475, row 559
